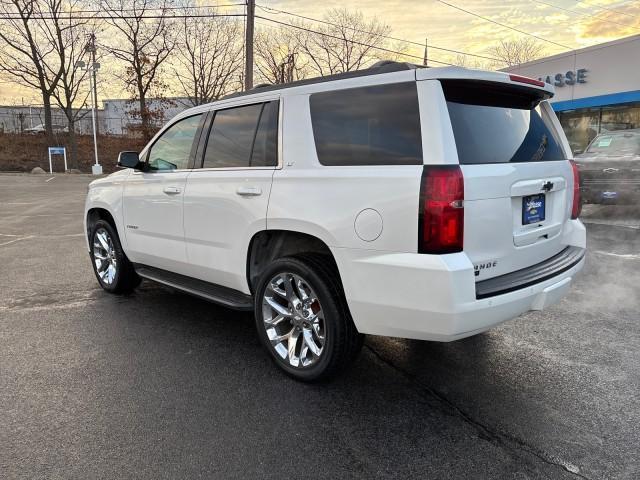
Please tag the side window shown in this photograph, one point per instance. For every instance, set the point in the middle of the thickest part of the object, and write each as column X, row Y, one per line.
column 265, row 146
column 172, row 149
column 243, row 136
column 376, row 125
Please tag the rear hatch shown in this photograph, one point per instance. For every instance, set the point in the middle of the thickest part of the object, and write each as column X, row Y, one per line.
column 610, row 167
column 518, row 184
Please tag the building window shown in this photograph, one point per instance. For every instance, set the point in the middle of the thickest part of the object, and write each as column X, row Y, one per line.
column 620, row 118
column 581, row 126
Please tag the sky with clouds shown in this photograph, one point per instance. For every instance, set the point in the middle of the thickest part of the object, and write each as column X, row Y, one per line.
column 586, row 23
column 567, row 24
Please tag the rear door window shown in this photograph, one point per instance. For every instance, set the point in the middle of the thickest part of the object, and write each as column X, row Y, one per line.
column 376, row 125
column 495, row 123
column 245, row 136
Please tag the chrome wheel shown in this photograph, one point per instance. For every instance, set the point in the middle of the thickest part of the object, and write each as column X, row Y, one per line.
column 104, row 256
column 293, row 319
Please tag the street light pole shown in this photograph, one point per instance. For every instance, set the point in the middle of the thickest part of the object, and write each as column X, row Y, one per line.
column 96, row 169
column 91, row 49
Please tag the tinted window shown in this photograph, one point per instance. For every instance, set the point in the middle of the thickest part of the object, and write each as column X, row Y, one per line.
column 265, row 147
column 172, row 149
column 377, row 125
column 500, row 125
column 234, row 131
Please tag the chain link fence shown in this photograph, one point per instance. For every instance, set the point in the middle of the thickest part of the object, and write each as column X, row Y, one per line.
column 21, row 122
column 116, row 120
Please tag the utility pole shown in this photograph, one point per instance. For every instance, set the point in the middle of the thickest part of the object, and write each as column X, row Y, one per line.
column 248, row 45
column 91, row 48
column 426, row 58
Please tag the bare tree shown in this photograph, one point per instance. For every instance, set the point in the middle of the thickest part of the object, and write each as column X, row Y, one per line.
column 28, row 56
column 279, row 57
column 143, row 45
column 516, row 52
column 347, row 41
column 470, row 62
column 208, row 58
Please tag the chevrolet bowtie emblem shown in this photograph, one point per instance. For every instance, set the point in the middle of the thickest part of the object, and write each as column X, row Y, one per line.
column 546, row 187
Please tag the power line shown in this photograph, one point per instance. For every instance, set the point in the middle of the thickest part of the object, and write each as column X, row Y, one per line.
column 342, row 39
column 80, row 14
column 585, row 14
column 614, row 10
column 271, row 9
column 193, row 7
column 64, row 16
column 502, row 24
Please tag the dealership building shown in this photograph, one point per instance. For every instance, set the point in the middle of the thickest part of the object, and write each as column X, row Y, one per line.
column 597, row 88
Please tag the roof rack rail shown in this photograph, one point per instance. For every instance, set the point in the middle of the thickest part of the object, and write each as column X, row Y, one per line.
column 383, row 66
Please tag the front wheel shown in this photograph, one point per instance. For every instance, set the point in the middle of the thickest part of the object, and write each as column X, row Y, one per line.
column 113, row 269
column 303, row 320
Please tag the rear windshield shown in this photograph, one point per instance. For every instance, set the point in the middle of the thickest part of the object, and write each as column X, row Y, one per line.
column 615, row 144
column 494, row 124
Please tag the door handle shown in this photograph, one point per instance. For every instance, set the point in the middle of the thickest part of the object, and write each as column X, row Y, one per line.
column 171, row 190
column 249, row 191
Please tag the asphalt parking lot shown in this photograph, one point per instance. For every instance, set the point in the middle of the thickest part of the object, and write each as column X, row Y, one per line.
column 162, row 385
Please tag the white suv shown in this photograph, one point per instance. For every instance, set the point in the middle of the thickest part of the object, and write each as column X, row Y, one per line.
column 426, row 203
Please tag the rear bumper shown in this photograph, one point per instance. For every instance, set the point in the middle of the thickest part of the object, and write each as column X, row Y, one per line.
column 550, row 268
column 433, row 297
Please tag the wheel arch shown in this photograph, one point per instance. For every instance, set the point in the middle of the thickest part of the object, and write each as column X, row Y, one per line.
column 268, row 245
column 99, row 213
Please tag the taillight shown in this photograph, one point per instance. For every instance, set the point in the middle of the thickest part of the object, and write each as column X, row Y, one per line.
column 527, row 80
column 576, row 207
column 441, row 214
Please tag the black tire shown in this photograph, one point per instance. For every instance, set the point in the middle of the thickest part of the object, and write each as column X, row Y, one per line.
column 342, row 340
column 125, row 279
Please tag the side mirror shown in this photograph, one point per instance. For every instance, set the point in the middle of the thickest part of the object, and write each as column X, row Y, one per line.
column 129, row 160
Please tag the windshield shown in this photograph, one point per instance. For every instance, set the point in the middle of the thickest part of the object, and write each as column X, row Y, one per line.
column 497, row 124
column 616, row 144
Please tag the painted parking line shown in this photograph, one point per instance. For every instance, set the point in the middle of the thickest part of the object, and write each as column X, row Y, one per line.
column 16, row 240
column 49, row 179
column 31, row 237
column 46, row 215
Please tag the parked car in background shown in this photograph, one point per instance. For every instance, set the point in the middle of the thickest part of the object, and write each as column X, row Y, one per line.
column 40, row 129
column 425, row 203
column 610, row 168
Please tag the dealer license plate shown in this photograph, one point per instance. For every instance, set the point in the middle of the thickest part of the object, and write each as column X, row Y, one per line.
column 533, row 209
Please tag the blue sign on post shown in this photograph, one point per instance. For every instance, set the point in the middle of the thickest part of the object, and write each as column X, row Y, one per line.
column 57, row 151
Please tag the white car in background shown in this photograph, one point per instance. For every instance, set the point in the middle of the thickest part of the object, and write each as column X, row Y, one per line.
column 425, row 203
column 41, row 129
